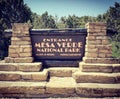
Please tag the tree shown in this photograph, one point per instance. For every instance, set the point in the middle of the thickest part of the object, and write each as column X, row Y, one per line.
column 101, row 18
column 113, row 22
column 36, row 21
column 72, row 21
column 62, row 22
column 43, row 21
column 84, row 19
column 11, row 11
column 14, row 11
column 113, row 17
column 47, row 21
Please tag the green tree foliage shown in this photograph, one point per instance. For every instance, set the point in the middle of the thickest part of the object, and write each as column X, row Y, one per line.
column 72, row 21
column 48, row 21
column 113, row 22
column 36, row 21
column 11, row 11
column 115, row 49
column 43, row 21
column 101, row 18
column 62, row 22
column 84, row 19
column 75, row 21
column 14, row 11
column 113, row 17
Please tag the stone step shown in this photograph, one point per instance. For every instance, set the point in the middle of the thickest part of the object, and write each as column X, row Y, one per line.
column 58, row 87
column 92, row 77
column 62, row 71
column 27, row 67
column 98, row 90
column 21, row 89
column 94, row 67
column 23, row 76
column 102, row 60
column 2, row 61
column 19, row 59
column 61, row 86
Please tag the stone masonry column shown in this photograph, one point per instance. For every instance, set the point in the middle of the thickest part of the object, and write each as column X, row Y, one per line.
column 97, row 44
column 98, row 50
column 20, row 50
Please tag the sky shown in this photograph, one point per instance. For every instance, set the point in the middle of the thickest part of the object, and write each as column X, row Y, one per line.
column 70, row 7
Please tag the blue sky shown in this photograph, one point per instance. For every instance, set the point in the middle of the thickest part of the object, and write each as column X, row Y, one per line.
column 70, row 7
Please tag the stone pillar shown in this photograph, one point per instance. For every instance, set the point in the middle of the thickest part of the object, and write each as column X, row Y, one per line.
column 98, row 49
column 20, row 50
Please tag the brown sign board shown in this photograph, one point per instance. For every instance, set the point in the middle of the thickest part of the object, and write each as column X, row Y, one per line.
column 58, row 45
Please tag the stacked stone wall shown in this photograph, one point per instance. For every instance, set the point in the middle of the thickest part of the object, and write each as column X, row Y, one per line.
column 20, row 49
column 98, row 49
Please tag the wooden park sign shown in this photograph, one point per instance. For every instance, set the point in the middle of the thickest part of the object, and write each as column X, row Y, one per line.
column 58, row 44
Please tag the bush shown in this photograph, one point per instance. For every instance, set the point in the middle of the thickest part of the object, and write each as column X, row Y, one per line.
column 116, row 49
